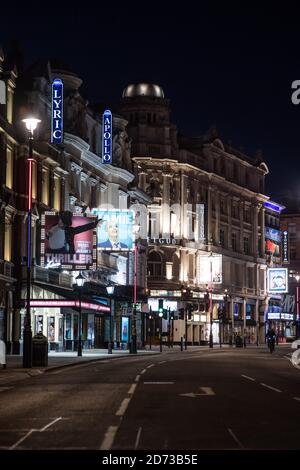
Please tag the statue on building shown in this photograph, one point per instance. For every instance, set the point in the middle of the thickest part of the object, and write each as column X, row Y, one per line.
column 122, row 150
column 154, row 189
column 75, row 114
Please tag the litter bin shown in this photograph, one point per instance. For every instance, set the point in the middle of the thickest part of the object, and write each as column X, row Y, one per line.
column 39, row 350
column 238, row 342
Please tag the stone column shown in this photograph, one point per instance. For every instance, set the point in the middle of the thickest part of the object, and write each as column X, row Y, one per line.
column 165, row 211
column 217, row 217
column 262, row 229
column 241, row 203
column 255, row 231
column 229, row 218
column 209, row 214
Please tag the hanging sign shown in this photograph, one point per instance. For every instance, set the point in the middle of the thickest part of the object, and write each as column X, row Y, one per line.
column 57, row 112
column 107, row 137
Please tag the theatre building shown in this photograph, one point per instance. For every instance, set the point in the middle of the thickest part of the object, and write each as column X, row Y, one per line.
column 207, row 197
column 68, row 178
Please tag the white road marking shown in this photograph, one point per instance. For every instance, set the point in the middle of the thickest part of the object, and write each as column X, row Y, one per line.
column 132, row 389
column 143, row 371
column 296, row 398
column 137, row 378
column 207, row 391
column 271, row 388
column 123, row 407
column 158, row 383
column 247, row 377
column 22, row 439
column 109, row 438
column 50, row 424
column 148, row 367
column 138, row 438
column 235, row 438
column 162, row 362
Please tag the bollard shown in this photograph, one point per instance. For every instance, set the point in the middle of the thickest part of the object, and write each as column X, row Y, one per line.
column 181, row 343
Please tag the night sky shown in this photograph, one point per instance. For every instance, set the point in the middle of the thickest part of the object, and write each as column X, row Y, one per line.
column 230, row 68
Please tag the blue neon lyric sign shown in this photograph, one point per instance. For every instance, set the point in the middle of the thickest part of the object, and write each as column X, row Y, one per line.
column 107, row 137
column 57, row 112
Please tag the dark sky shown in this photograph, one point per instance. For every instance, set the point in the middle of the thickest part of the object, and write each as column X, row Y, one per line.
column 231, row 68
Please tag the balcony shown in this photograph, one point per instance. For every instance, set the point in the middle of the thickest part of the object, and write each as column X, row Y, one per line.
column 6, row 268
column 50, row 276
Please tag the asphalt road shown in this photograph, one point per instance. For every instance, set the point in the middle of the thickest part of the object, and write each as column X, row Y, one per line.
column 195, row 399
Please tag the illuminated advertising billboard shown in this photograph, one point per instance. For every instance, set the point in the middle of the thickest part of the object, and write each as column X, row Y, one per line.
column 209, row 268
column 68, row 240
column 57, row 112
column 125, row 328
column 115, row 233
column 272, row 241
column 121, row 277
column 277, row 280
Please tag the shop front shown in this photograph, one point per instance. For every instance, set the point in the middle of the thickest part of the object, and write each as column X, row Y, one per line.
column 281, row 317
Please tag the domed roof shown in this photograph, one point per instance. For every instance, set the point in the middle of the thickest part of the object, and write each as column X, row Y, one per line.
column 143, row 89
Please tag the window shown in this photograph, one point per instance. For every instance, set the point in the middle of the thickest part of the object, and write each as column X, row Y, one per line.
column 292, row 229
column 235, row 211
column 293, row 252
column 9, row 168
column 222, row 237
column 247, row 215
column 246, row 245
column 154, row 264
column 234, row 241
column 9, row 108
column 7, row 241
column 222, row 206
column 57, row 192
column 45, row 186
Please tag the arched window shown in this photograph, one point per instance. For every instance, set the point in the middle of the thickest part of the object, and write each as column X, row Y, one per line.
column 154, row 264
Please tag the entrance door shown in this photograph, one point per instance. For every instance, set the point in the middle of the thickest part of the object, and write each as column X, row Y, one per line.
column 99, row 332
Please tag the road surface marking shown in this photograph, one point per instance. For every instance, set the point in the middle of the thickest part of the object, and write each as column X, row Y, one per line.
column 143, row 371
column 271, row 388
column 247, row 377
column 137, row 378
column 50, row 424
column 22, row 439
column 3, row 389
column 109, row 438
column 158, row 383
column 151, row 365
column 235, row 438
column 138, row 438
column 123, row 407
column 207, row 391
column 296, row 398
column 132, row 389
column 162, row 362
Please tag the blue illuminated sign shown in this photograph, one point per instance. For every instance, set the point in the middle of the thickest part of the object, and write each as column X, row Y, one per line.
column 273, row 207
column 57, row 112
column 107, row 137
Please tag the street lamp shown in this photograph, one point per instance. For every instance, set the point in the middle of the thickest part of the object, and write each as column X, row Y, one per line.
column 110, row 291
column 80, row 280
column 160, row 314
column 211, row 344
column 297, row 277
column 133, row 349
column 31, row 124
column 225, row 314
column 150, row 327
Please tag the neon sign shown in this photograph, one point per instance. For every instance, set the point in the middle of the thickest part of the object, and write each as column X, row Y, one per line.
column 57, row 112
column 107, row 137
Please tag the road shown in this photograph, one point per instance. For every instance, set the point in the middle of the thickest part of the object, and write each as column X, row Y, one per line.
column 195, row 399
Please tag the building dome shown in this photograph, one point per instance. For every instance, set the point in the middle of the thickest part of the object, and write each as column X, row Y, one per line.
column 143, row 89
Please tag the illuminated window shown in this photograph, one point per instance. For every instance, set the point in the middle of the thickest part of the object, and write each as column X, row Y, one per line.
column 45, row 186
column 7, row 242
column 9, row 108
column 9, row 168
column 57, row 192
column 34, row 181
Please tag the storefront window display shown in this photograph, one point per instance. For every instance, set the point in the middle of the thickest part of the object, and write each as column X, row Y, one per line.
column 51, row 329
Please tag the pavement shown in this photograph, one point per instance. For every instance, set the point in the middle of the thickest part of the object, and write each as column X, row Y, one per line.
column 198, row 399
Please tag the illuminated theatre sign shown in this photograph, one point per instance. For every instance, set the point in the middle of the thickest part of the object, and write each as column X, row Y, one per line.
column 107, row 137
column 57, row 112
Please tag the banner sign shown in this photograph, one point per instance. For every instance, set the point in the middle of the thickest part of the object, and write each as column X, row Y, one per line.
column 57, row 112
column 68, row 240
column 277, row 280
column 209, row 268
column 115, row 233
column 107, row 137
column 285, row 247
column 68, row 303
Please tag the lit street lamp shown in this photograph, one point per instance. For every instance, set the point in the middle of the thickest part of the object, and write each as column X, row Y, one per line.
column 31, row 125
column 110, row 291
column 80, row 280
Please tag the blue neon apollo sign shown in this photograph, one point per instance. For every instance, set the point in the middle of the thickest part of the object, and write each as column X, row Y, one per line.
column 107, row 137
column 57, row 112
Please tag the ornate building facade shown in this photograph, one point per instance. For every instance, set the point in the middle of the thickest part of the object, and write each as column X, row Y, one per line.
column 206, row 197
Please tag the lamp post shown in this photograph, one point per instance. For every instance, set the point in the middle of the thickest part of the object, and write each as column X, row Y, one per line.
column 133, row 349
column 150, row 328
column 225, row 314
column 160, row 314
column 31, row 124
column 297, row 277
column 172, row 319
column 110, row 291
column 211, row 343
column 80, row 280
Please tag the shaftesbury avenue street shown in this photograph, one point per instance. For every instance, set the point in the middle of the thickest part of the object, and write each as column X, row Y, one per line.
column 149, row 236
column 198, row 399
